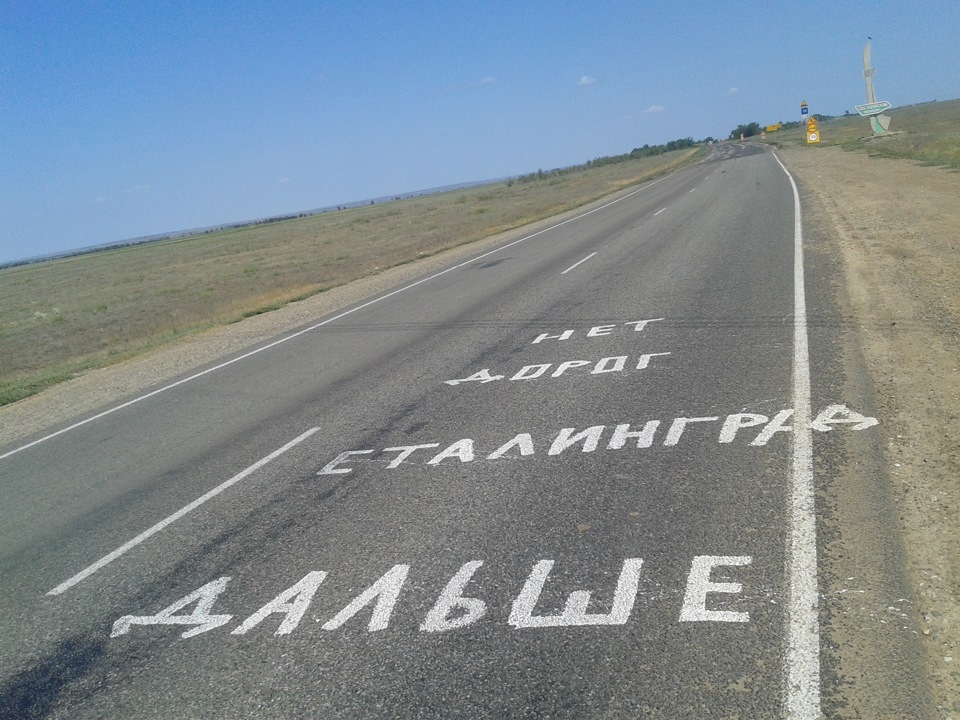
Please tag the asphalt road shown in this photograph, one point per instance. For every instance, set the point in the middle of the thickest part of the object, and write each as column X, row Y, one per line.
column 558, row 480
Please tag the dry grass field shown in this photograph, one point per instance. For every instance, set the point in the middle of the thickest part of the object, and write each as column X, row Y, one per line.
column 61, row 317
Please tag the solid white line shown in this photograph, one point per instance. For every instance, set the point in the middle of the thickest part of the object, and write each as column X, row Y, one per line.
column 659, row 211
column 326, row 322
column 692, row 189
column 802, row 660
column 578, row 263
column 64, row 586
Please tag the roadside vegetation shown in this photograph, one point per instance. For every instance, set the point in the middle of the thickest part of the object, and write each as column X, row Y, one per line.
column 63, row 316
column 928, row 133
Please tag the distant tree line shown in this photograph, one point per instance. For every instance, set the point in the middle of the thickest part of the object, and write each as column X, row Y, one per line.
column 652, row 150
column 751, row 129
column 748, row 130
column 635, row 154
column 84, row 251
column 263, row 221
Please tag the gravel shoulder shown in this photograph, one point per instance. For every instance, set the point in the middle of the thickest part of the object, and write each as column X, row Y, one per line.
column 896, row 228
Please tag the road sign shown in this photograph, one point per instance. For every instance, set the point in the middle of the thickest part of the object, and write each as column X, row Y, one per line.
column 804, row 110
column 813, row 131
column 874, row 108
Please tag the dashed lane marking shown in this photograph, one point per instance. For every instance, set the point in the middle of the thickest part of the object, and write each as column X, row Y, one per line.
column 578, row 263
column 87, row 572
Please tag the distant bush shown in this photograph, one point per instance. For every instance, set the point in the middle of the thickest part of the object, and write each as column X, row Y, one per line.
column 748, row 130
column 635, row 154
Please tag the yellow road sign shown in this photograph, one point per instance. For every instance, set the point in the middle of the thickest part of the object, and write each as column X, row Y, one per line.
column 813, row 131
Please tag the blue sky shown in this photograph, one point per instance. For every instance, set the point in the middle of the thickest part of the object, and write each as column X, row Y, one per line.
column 124, row 119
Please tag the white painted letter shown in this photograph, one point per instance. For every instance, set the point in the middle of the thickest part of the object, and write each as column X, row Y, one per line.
column 462, row 449
column 385, row 591
column 529, row 372
column 741, row 420
column 621, row 433
column 575, row 609
column 699, row 584
column 676, row 428
column 564, row 366
column 645, row 359
column 523, row 441
column 590, row 436
column 483, row 376
column 840, row 414
column 601, row 367
column 205, row 597
column 774, row 426
column 405, row 452
column 600, row 330
column 331, row 467
column 547, row 336
column 438, row 619
column 301, row 594
column 641, row 324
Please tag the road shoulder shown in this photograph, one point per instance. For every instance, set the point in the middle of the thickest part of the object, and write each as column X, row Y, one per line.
column 894, row 227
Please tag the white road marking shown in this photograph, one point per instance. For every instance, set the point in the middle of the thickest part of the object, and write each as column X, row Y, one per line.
column 384, row 591
column 464, row 610
column 466, row 450
column 453, row 609
column 292, row 603
column 802, row 659
column 596, row 331
column 575, row 609
column 578, row 263
column 200, row 618
column 659, row 211
column 327, row 322
column 691, row 190
column 612, row 364
column 699, row 584
column 66, row 585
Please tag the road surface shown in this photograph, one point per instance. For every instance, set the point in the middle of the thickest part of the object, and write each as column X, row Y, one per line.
column 572, row 477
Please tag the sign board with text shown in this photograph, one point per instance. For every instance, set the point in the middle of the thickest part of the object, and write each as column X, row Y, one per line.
column 874, row 108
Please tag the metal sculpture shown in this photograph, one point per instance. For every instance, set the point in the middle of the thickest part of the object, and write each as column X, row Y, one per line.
column 873, row 109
